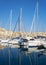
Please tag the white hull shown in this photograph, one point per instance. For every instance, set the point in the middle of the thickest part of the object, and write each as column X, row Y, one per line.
column 43, row 43
column 34, row 43
column 32, row 49
column 14, row 46
column 4, row 44
column 10, row 43
column 4, row 41
column 13, row 41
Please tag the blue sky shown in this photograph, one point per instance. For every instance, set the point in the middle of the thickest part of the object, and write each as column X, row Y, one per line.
column 28, row 8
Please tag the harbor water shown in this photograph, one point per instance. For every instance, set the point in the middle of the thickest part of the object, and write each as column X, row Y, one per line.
column 15, row 56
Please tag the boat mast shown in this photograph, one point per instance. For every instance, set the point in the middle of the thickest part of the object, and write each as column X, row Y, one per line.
column 10, row 36
column 37, row 16
column 35, row 19
column 20, row 20
column 37, row 10
column 10, row 22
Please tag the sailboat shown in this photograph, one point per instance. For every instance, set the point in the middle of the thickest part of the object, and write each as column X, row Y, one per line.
column 32, row 42
column 15, row 41
column 43, row 42
column 4, row 42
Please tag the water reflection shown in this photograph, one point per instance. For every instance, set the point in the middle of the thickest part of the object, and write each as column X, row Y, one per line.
column 17, row 56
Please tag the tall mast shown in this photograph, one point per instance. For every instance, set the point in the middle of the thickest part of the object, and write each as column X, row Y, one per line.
column 20, row 20
column 10, row 18
column 10, row 24
column 35, row 19
column 10, row 34
column 37, row 14
column 10, row 21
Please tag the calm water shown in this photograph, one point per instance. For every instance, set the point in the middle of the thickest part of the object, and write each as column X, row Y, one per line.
column 18, row 57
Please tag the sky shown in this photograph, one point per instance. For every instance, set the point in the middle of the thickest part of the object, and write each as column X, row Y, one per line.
column 28, row 10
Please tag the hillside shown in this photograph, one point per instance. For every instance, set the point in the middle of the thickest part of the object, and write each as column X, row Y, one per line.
column 7, row 34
